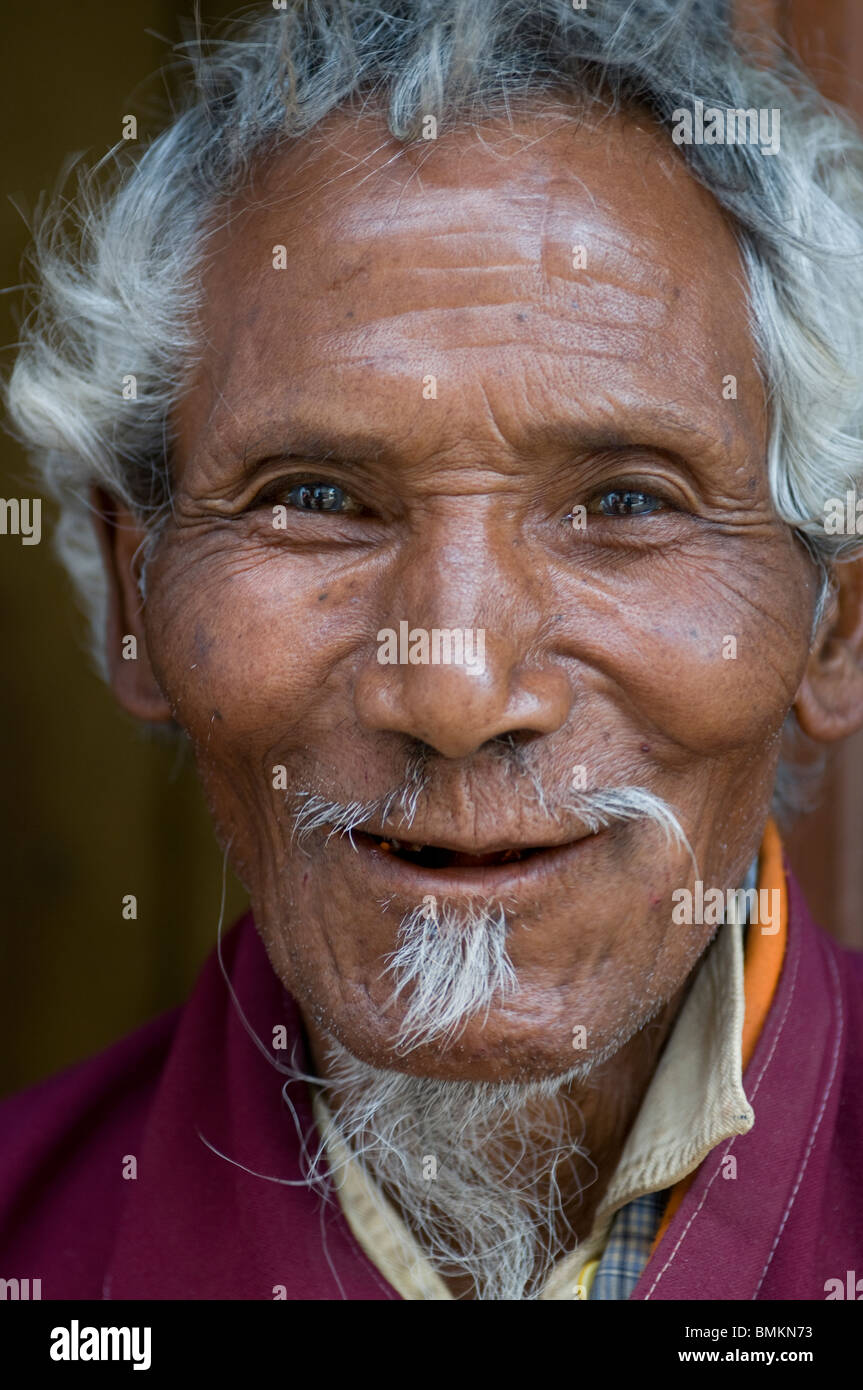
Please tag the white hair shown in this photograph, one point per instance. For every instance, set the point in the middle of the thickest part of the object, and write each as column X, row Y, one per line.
column 118, row 269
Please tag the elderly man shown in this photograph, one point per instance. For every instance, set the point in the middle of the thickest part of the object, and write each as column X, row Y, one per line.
column 458, row 423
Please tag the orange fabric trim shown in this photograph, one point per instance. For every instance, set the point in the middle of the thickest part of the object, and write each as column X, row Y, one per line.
column 762, row 964
column 762, row 961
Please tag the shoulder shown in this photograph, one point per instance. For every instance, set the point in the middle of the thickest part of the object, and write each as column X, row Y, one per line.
column 70, row 1146
column 64, row 1161
column 846, row 967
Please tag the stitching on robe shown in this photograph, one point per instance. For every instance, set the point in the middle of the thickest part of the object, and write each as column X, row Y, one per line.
column 726, row 1151
column 840, row 1032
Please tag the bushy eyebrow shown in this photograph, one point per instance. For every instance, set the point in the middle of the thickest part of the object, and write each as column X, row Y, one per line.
column 671, row 431
column 345, row 446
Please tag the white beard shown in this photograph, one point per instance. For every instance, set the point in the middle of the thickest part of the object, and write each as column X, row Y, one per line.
column 492, row 1211
column 454, row 964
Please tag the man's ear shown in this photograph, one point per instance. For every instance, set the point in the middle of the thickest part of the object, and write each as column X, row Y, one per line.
column 131, row 675
column 829, row 703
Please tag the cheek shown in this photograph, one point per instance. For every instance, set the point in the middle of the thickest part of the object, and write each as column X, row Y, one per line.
column 711, row 657
column 255, row 652
column 252, row 637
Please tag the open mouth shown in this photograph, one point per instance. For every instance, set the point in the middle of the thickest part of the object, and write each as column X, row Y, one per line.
column 437, row 857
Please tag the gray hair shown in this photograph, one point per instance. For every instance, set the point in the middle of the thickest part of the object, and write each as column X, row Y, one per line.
column 118, row 268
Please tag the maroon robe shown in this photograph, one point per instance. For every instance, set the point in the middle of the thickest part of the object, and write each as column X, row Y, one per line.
column 194, row 1225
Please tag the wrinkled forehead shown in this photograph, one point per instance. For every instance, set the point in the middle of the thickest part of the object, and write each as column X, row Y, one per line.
column 351, row 253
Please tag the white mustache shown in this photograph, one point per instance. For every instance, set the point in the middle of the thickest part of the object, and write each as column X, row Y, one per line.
column 603, row 808
column 595, row 809
column 314, row 812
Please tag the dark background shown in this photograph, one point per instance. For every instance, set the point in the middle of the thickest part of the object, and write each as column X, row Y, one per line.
column 91, row 809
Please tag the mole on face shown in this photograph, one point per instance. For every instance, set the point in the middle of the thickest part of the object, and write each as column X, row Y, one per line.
column 203, row 641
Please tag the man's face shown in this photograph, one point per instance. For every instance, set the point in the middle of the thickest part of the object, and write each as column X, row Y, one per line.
column 435, row 382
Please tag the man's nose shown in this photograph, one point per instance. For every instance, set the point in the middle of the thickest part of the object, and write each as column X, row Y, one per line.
column 502, row 685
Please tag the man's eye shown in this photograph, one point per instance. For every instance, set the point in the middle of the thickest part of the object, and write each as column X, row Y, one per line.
column 624, row 502
column 321, row 497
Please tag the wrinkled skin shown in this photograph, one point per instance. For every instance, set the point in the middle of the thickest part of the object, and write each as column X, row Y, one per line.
column 556, row 387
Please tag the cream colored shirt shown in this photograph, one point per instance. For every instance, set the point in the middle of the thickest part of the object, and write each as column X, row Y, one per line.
column 695, row 1100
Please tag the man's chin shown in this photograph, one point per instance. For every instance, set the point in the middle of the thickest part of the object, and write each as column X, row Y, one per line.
column 478, row 1056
